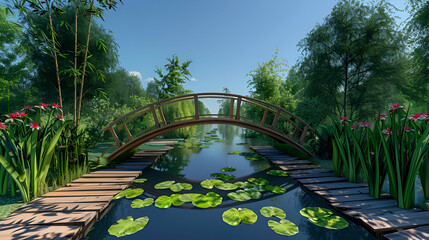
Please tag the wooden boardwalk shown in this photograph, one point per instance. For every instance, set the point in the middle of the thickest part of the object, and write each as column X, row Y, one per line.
column 69, row 212
column 381, row 216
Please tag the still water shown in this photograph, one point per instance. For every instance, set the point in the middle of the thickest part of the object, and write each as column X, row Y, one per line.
column 189, row 164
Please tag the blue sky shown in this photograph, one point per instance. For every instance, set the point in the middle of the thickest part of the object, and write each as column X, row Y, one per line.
column 225, row 39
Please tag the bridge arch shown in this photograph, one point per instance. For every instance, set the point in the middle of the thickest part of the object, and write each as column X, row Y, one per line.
column 276, row 122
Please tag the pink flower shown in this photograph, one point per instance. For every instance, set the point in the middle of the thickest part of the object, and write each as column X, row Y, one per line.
column 27, row 108
column 2, row 126
column 387, row 132
column 59, row 117
column 13, row 115
column 383, row 116
column 408, row 129
column 42, row 106
column 417, row 117
column 33, row 126
column 21, row 114
column 366, row 124
column 343, row 119
column 353, row 126
column 394, row 107
column 426, row 117
column 54, row 105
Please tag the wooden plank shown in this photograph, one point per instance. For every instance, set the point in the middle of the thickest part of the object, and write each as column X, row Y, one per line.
column 369, row 204
column 292, row 162
column 103, row 180
column 107, row 185
column 134, row 164
column 63, row 207
column 379, row 211
column 349, row 198
column 131, row 167
column 310, row 171
column 332, row 186
column 72, row 199
column 91, row 188
column 342, row 192
column 311, row 175
column 114, row 175
column 322, row 180
column 50, row 218
column 396, row 221
column 419, row 233
column 297, row 167
column 81, row 193
column 137, row 173
column 38, row 232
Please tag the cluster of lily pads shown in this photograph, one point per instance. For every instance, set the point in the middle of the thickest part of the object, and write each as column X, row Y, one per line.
column 248, row 155
column 324, row 218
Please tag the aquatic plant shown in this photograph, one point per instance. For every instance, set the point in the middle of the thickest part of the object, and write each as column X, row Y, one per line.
column 128, row 226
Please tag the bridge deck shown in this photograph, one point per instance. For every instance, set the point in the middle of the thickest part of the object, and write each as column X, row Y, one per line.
column 69, row 212
column 380, row 216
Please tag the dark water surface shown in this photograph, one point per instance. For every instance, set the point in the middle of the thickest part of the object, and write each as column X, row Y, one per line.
column 193, row 165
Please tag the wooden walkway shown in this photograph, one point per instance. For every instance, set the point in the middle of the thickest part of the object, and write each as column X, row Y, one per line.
column 381, row 216
column 69, row 212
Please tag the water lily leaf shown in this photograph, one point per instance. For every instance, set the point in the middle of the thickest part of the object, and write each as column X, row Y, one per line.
column 233, row 153
column 215, row 181
column 254, row 158
column 211, row 199
column 284, row 227
column 239, row 195
column 220, row 140
column 253, row 193
column 127, row 226
column 272, row 211
column 187, row 197
column 223, row 176
column 163, row 202
column 207, row 184
column 279, row 173
column 225, row 186
column 244, row 184
column 138, row 203
column 241, row 143
column 209, row 143
column 177, row 187
column 204, row 146
column 228, row 169
column 259, row 181
column 247, row 216
column 231, row 217
column 275, row 189
column 140, row 180
column 164, row 185
column 175, row 199
column 129, row 193
column 331, row 222
column 315, row 212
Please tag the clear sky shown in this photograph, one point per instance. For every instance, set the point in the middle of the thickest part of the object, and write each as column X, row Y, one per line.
column 225, row 39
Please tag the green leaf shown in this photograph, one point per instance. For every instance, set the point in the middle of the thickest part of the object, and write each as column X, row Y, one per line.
column 225, row 186
column 247, row 216
column 275, row 189
column 228, row 169
column 315, row 212
column 231, row 217
column 164, row 185
column 223, row 176
column 180, row 186
column 284, row 227
column 244, row 184
column 163, row 202
column 239, row 195
column 207, row 184
column 140, row 180
column 279, row 173
column 211, row 199
column 241, row 143
column 254, row 194
column 175, row 199
column 272, row 211
column 129, row 193
column 331, row 222
column 127, row 226
column 220, row 140
column 187, row 197
column 138, row 203
column 259, row 181
column 233, row 153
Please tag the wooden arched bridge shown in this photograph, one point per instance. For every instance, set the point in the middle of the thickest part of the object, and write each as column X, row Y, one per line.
column 130, row 130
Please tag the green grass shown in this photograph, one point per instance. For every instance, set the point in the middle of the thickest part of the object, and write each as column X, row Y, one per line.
column 9, row 204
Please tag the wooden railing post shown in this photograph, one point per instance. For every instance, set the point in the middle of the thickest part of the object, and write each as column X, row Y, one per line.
column 275, row 120
column 264, row 117
column 162, row 116
column 128, row 132
column 237, row 113
column 112, row 131
column 197, row 113
column 155, row 118
column 303, row 134
column 231, row 110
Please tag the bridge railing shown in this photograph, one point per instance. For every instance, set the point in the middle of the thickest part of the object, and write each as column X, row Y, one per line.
column 153, row 116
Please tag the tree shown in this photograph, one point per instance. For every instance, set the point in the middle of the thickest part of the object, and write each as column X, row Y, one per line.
column 171, row 83
column 120, row 86
column 351, row 59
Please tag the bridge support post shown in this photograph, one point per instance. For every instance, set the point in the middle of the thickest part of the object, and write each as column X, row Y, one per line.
column 155, row 118
column 275, row 120
column 237, row 113
column 197, row 113
column 231, row 110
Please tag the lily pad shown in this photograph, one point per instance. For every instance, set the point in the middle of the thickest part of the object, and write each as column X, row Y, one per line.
column 244, row 184
column 164, row 185
column 233, row 153
column 127, row 226
column 228, row 169
column 258, row 181
column 177, row 187
column 231, row 217
column 209, row 143
column 129, row 193
column 223, row 176
column 253, row 193
column 211, row 199
column 239, row 195
column 207, row 184
column 275, row 189
column 331, row 222
column 284, row 227
column 220, row 140
column 247, row 216
column 140, row 180
column 175, row 199
column 272, row 211
column 139, row 203
column 279, row 173
column 187, row 197
column 254, row 158
column 204, row 146
column 225, row 186
column 215, row 181
column 163, row 202
column 315, row 212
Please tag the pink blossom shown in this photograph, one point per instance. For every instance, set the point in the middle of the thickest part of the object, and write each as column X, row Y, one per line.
column 353, row 126
column 387, row 131
column 21, row 114
column 2, row 126
column 59, row 117
column 426, row 117
column 394, row 107
column 27, row 108
column 54, row 105
column 383, row 116
column 417, row 117
column 408, row 129
column 343, row 119
column 33, row 126
column 44, row 104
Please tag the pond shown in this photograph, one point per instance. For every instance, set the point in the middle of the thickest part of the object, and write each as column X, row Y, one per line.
column 188, row 163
